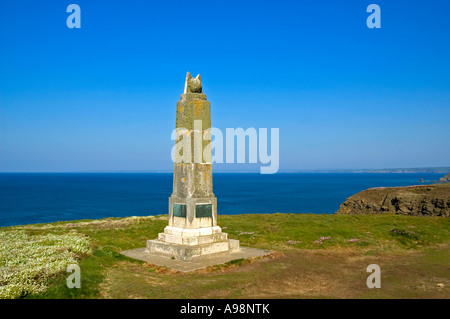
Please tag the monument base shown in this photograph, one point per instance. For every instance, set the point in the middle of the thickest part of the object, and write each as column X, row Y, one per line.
column 186, row 244
column 198, row 262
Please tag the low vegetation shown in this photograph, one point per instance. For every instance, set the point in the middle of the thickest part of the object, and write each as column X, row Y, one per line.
column 318, row 256
column 29, row 262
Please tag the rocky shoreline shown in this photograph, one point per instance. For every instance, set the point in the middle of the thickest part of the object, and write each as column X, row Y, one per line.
column 423, row 200
column 445, row 179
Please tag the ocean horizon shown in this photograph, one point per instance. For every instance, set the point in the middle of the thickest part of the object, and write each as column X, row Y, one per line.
column 28, row 198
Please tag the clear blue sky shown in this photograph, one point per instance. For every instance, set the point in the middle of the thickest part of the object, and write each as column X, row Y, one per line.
column 103, row 97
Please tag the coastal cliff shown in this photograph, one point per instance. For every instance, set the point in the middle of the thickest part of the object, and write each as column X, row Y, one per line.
column 424, row 200
column 445, row 179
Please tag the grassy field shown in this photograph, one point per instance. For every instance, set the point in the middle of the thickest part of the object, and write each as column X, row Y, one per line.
column 317, row 256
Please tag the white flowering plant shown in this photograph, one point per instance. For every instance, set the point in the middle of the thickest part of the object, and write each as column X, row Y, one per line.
column 28, row 262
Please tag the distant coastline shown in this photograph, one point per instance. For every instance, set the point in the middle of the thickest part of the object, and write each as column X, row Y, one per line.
column 425, row 170
column 417, row 170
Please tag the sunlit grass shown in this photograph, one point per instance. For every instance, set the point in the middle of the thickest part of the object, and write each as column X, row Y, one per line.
column 47, row 249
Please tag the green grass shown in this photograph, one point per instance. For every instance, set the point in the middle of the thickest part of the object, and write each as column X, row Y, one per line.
column 370, row 231
column 320, row 256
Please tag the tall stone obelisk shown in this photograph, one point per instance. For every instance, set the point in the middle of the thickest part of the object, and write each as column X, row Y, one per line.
column 192, row 229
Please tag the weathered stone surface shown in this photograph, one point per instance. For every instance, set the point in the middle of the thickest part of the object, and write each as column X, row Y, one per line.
column 445, row 179
column 193, row 85
column 189, row 252
column 192, row 176
column 423, row 200
column 192, row 231
column 198, row 262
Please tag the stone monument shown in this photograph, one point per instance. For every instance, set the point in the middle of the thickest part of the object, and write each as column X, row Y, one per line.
column 192, row 229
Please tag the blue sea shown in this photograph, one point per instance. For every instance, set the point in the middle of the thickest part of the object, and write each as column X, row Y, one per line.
column 47, row 197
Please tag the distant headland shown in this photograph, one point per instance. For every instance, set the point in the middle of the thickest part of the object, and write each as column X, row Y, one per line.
column 429, row 170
